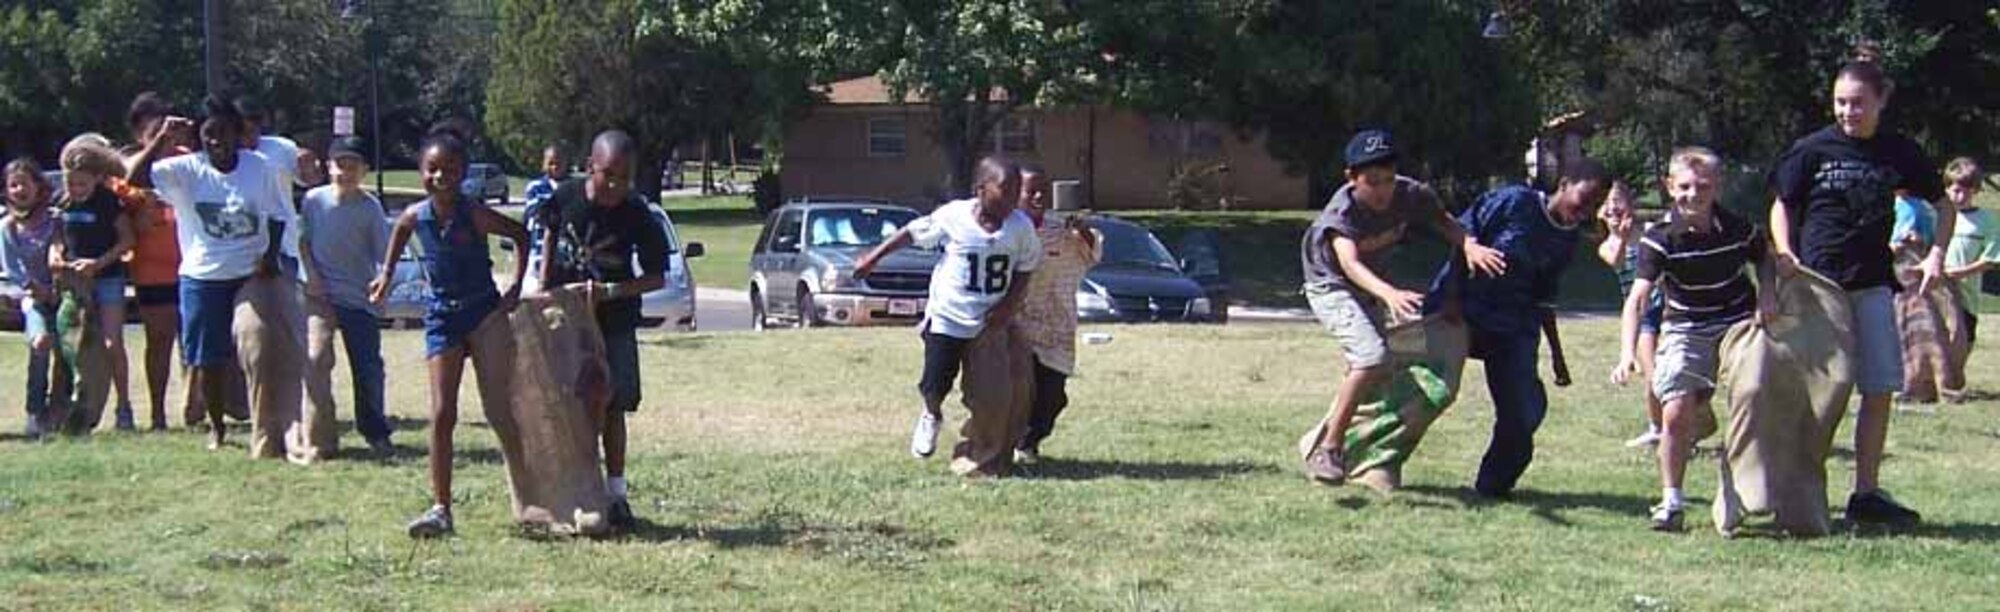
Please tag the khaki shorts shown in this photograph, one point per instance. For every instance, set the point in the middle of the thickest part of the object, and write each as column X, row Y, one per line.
column 1356, row 322
column 1688, row 357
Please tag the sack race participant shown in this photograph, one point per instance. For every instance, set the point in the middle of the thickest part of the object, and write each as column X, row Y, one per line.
column 1974, row 248
column 1425, row 361
column 84, row 370
column 273, row 355
column 1788, row 381
column 1928, row 321
column 1048, row 318
column 93, row 234
column 548, row 423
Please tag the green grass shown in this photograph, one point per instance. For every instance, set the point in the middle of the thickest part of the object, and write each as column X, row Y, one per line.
column 409, row 180
column 771, row 471
column 727, row 227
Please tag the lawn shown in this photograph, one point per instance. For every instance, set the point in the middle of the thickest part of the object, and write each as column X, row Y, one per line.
column 727, row 227
column 770, row 471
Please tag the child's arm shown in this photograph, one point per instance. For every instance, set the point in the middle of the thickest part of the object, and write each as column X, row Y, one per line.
column 58, row 256
column 126, row 238
column 1480, row 258
column 1405, row 303
column 1782, row 256
column 1628, row 332
column 1617, row 242
column 491, row 222
column 895, row 243
column 1933, row 267
column 406, row 223
column 548, row 246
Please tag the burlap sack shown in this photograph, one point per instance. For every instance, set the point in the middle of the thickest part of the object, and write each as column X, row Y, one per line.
column 997, row 385
column 549, row 415
column 271, row 348
column 1788, row 384
column 85, row 367
column 319, row 429
column 1928, row 322
column 1427, row 358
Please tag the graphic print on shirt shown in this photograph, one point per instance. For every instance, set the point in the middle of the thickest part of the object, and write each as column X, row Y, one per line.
column 230, row 220
column 1865, row 185
column 988, row 273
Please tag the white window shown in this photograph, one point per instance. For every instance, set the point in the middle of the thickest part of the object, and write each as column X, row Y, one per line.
column 1015, row 134
column 887, row 137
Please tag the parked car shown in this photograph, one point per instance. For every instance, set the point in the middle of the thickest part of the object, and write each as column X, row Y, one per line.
column 802, row 267
column 672, row 303
column 1139, row 281
column 11, row 296
column 486, row 183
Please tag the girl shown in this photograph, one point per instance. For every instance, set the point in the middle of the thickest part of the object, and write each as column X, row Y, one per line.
column 25, row 235
column 466, row 315
column 155, row 265
column 1620, row 250
column 1836, row 205
column 91, row 243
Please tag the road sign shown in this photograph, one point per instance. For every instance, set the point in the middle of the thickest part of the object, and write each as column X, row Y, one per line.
column 343, row 121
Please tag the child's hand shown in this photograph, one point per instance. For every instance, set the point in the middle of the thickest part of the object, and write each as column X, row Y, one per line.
column 378, row 290
column 87, row 268
column 1485, row 260
column 1767, row 306
column 1408, row 305
column 1786, row 263
column 999, row 315
column 1627, row 366
column 315, row 287
column 511, row 299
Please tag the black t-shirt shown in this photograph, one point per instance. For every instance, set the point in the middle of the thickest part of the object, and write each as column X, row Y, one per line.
column 602, row 244
column 1841, row 192
column 90, row 228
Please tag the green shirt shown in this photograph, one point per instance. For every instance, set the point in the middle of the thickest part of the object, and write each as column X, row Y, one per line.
column 1975, row 238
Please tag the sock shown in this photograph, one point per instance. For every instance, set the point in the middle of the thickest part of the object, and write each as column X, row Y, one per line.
column 617, row 486
column 1671, row 497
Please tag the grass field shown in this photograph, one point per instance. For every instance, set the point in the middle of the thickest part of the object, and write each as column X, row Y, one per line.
column 771, row 474
column 727, row 227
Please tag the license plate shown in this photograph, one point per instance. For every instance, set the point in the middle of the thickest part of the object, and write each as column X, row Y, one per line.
column 905, row 308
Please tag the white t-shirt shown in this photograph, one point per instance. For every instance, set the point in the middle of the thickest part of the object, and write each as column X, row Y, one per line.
column 224, row 218
column 283, row 156
column 978, row 267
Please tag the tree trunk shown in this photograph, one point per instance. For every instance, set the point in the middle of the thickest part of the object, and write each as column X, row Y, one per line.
column 707, row 169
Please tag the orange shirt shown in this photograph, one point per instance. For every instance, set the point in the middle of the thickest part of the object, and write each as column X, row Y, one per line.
column 156, row 249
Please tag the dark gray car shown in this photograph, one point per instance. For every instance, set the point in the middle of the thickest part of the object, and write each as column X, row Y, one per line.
column 1139, row 281
column 802, row 267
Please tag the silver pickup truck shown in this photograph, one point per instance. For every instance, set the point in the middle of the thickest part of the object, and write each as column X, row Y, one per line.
column 802, row 267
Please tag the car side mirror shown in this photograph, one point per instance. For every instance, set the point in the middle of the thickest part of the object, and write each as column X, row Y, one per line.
column 694, row 250
column 506, row 245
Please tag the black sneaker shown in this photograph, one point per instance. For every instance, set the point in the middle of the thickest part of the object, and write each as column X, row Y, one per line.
column 1668, row 519
column 1877, row 508
column 435, row 523
column 621, row 516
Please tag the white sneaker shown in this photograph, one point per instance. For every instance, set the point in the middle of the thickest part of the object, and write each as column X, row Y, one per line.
column 34, row 427
column 923, row 439
column 1651, row 437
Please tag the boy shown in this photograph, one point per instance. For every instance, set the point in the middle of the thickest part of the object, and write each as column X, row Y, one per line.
column 1342, row 254
column 990, row 249
column 346, row 234
column 1048, row 311
column 1700, row 260
column 1538, row 233
column 594, row 229
column 1975, row 248
column 537, row 193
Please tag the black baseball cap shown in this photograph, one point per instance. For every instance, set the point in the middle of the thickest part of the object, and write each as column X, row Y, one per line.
column 1370, row 147
column 347, row 146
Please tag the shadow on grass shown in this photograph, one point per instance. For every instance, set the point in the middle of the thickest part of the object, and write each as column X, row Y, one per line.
column 404, row 455
column 871, row 542
column 1064, row 469
column 1545, row 505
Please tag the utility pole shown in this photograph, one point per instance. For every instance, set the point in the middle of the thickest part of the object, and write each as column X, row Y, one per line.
column 212, row 57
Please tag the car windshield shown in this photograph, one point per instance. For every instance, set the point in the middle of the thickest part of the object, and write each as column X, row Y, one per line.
column 856, row 227
column 1131, row 245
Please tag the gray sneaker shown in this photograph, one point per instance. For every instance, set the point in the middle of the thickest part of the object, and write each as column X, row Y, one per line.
column 1326, row 466
column 435, row 523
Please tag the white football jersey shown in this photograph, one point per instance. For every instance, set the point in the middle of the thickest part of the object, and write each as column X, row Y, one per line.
column 978, row 267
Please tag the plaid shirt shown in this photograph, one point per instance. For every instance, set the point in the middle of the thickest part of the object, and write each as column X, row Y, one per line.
column 1047, row 318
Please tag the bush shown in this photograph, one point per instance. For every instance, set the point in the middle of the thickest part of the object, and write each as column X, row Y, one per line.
column 767, row 193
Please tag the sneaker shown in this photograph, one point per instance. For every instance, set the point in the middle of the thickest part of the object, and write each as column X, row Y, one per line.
column 923, row 439
column 34, row 431
column 621, row 515
column 1649, row 438
column 1327, row 466
column 1877, row 508
column 125, row 420
column 435, row 523
column 1026, row 456
column 1667, row 518
column 381, row 448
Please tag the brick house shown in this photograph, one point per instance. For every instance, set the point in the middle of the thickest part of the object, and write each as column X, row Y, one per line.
column 862, row 143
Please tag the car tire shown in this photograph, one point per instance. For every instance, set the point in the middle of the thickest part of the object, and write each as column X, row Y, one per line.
column 808, row 315
column 759, row 320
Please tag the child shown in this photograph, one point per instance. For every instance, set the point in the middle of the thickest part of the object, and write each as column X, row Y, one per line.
column 1048, row 312
column 1836, row 200
column 1975, row 247
column 1700, row 259
column 467, row 315
column 1342, row 254
column 154, row 268
column 343, row 242
column 1620, row 250
column 990, row 249
column 537, row 193
column 25, row 236
column 91, row 242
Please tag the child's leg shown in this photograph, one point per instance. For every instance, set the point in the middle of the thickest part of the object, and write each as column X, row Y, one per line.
column 447, row 369
column 1880, row 347
column 1358, row 327
column 1649, row 344
column 161, row 322
column 944, row 356
column 1677, row 432
column 111, row 323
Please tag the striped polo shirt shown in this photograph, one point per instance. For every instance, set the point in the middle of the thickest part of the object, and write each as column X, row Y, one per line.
column 1705, row 274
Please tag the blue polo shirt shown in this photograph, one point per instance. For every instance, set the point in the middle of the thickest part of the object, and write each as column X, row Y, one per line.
column 1514, row 220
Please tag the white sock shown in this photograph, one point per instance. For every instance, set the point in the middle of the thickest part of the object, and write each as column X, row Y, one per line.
column 1671, row 497
column 618, row 487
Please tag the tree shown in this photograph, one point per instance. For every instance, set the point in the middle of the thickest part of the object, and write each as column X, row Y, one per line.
column 72, row 67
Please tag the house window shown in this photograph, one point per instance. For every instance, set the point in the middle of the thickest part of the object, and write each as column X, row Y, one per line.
column 1184, row 137
column 1014, row 135
column 887, row 137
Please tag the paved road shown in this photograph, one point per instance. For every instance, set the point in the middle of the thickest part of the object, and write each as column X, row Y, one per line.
column 721, row 310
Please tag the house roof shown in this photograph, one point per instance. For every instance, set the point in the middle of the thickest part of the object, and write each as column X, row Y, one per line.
column 871, row 90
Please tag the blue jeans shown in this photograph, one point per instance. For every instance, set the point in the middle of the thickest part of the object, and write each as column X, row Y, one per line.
column 1513, row 378
column 361, row 334
column 36, row 324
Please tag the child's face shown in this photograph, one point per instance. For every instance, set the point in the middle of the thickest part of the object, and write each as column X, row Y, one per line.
column 80, row 184
column 551, row 164
column 1373, row 186
column 1003, row 197
column 1962, row 194
column 1577, row 200
column 442, row 170
column 22, row 191
column 1691, row 189
column 1857, row 107
column 347, row 171
column 1618, row 205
